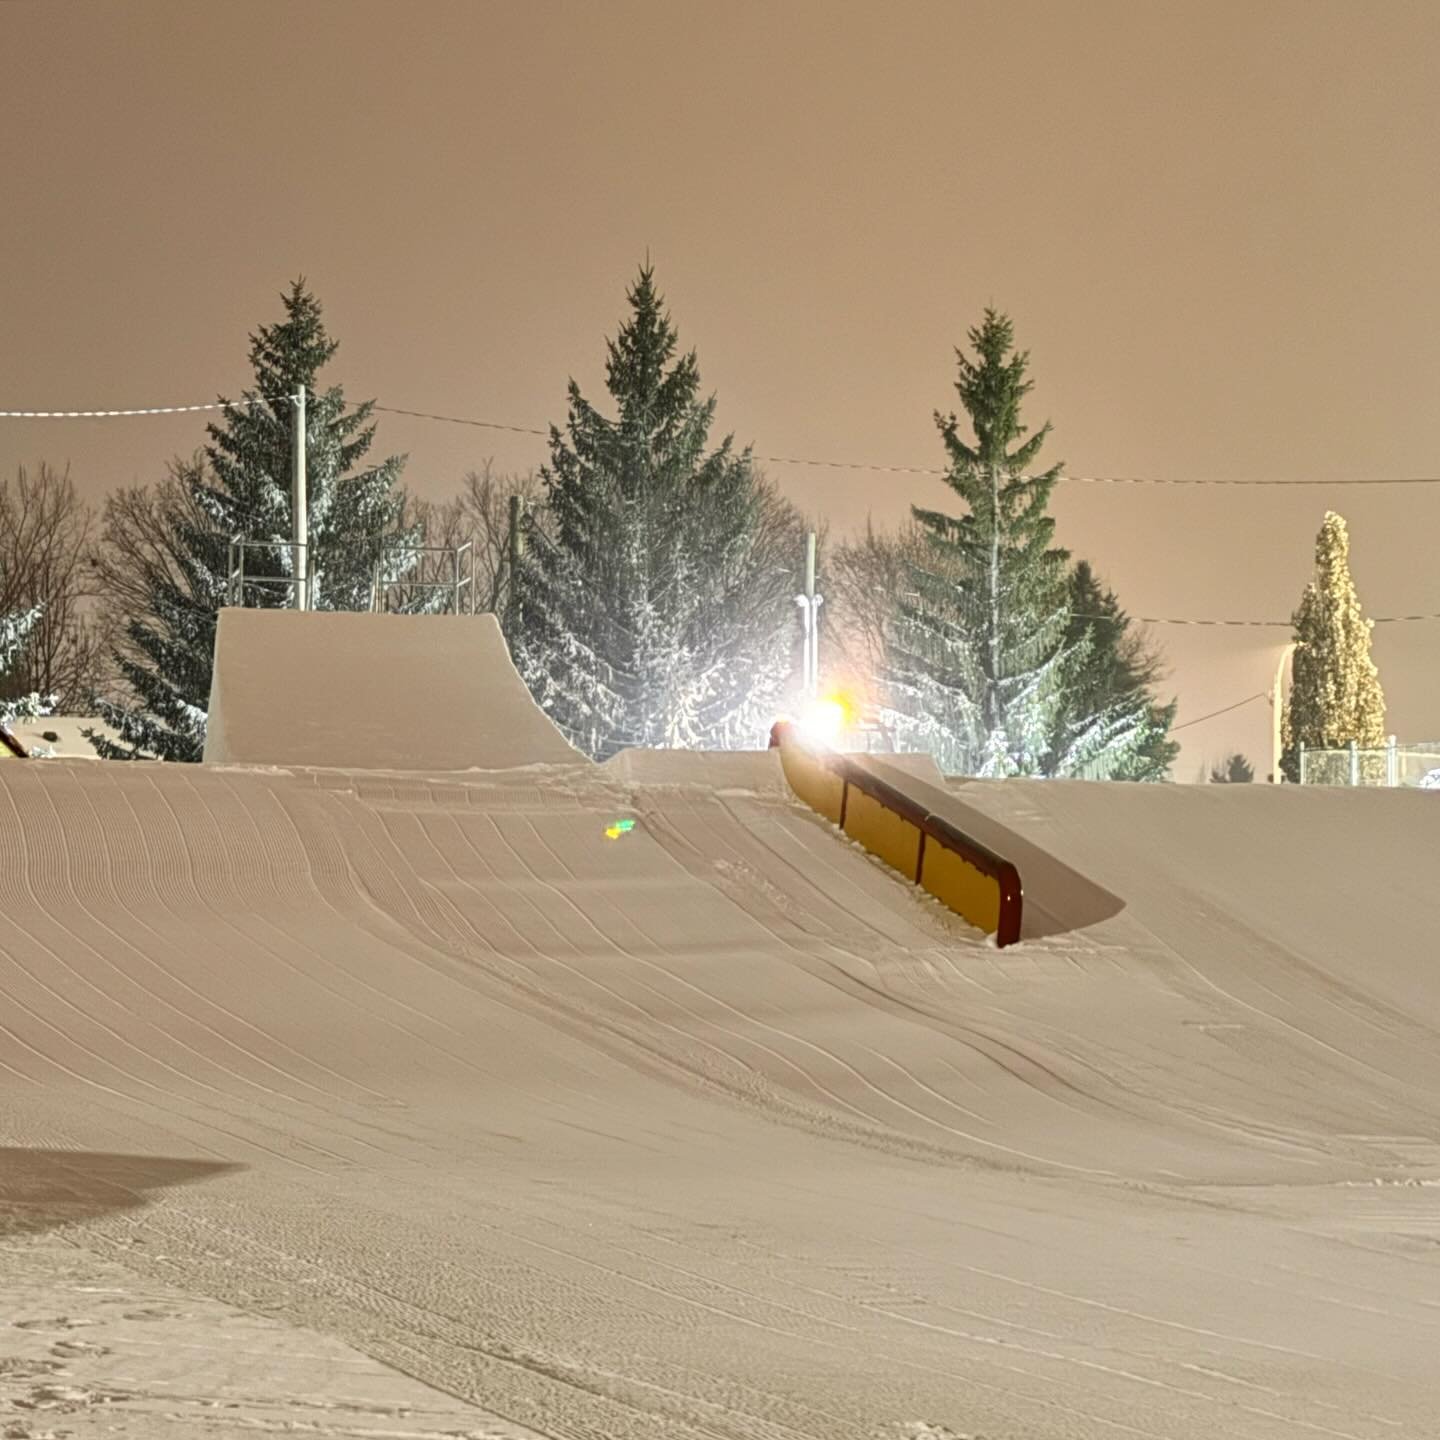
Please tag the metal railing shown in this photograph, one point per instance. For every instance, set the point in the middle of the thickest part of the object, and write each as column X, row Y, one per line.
column 394, row 570
column 1388, row 766
column 452, row 570
column 931, row 831
column 237, row 579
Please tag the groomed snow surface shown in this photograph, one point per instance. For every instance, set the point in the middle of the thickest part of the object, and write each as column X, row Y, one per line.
column 714, row 1128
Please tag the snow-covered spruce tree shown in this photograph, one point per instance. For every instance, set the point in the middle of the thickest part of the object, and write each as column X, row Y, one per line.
column 14, row 632
column 654, row 607
column 1335, row 696
column 245, row 490
column 1108, row 724
column 976, row 655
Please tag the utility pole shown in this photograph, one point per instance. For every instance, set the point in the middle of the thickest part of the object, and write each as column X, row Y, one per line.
column 299, row 502
column 810, row 604
column 1277, row 707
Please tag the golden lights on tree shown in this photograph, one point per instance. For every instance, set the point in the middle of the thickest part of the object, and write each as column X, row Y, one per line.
column 1336, row 696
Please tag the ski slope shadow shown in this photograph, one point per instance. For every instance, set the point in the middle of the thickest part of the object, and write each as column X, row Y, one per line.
column 43, row 1189
column 1058, row 898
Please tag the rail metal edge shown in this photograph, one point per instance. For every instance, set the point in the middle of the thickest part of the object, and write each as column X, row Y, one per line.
column 931, row 827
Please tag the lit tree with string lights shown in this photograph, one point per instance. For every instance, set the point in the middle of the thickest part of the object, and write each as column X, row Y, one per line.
column 1335, row 696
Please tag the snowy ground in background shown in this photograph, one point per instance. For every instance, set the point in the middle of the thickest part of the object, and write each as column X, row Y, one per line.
column 716, row 1129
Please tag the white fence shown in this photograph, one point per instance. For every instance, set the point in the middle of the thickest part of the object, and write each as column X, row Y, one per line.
column 1389, row 765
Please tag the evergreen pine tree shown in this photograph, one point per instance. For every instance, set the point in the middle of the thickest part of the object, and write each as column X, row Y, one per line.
column 1108, row 725
column 647, row 610
column 975, row 659
column 1335, row 695
column 245, row 491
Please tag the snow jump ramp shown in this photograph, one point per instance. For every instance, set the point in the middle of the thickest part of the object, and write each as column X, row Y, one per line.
column 372, row 692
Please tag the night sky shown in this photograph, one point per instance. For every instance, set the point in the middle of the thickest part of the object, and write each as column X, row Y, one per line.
column 1213, row 225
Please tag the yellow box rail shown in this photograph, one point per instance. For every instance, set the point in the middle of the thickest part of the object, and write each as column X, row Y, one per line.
column 960, row 872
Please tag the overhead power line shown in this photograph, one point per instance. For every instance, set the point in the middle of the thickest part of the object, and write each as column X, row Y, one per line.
column 242, row 404
column 1278, row 484
column 780, row 460
column 859, row 465
column 1225, row 710
column 930, row 470
column 1099, row 479
column 456, row 420
column 1247, row 624
column 1167, row 620
column 146, row 410
column 1244, row 624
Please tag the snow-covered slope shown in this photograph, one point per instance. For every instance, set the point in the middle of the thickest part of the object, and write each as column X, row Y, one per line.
column 717, row 1128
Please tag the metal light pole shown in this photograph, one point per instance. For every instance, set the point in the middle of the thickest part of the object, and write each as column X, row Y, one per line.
column 299, row 503
column 810, row 604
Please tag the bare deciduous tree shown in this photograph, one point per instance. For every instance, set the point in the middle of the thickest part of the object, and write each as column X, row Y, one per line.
column 140, row 544
column 45, row 543
column 865, row 580
column 776, row 574
column 480, row 514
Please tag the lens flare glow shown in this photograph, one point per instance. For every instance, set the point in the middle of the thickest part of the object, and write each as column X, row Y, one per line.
column 825, row 719
column 619, row 828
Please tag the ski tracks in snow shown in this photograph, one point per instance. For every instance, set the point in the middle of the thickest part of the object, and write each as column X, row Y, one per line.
column 712, row 1129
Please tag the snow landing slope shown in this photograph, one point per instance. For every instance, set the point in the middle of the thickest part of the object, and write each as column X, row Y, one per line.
column 717, row 1128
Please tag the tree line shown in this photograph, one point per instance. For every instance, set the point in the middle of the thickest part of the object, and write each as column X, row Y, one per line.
column 649, row 595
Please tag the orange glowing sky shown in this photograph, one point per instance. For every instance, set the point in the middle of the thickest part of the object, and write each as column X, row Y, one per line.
column 1214, row 225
